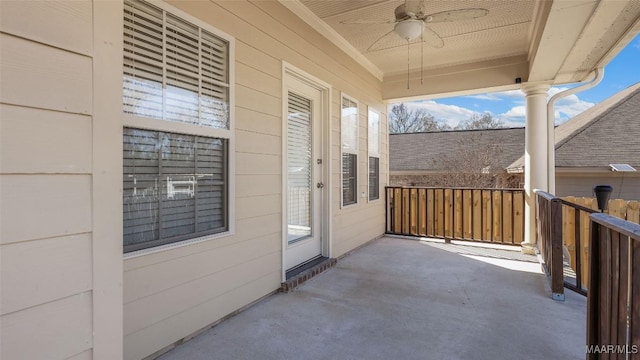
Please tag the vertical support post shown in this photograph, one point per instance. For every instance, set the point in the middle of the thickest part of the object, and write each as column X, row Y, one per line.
column 535, row 157
column 387, row 210
column 593, row 300
column 578, row 249
column 556, row 266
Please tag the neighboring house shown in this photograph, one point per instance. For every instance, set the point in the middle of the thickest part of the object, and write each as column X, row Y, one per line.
column 607, row 133
column 466, row 158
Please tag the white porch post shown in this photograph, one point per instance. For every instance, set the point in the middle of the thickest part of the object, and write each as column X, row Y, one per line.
column 536, row 161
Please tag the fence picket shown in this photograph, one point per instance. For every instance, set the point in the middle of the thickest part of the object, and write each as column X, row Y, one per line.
column 633, row 212
column 518, row 217
column 507, row 217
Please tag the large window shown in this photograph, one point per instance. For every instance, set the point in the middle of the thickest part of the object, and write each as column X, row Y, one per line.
column 177, row 135
column 374, row 154
column 349, row 135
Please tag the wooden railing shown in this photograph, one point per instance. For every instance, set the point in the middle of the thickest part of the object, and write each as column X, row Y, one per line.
column 563, row 233
column 573, row 232
column 613, row 304
column 487, row 215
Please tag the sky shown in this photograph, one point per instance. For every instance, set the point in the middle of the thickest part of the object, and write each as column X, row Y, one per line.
column 509, row 106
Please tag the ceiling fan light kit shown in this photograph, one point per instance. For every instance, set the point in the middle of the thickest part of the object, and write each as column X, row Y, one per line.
column 409, row 29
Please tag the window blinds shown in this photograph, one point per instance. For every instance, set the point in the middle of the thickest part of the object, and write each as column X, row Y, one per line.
column 173, row 70
column 349, row 126
column 374, row 133
column 174, row 187
column 299, row 160
column 374, row 178
column 349, row 179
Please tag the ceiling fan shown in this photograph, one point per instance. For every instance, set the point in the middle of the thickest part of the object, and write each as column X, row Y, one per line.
column 410, row 23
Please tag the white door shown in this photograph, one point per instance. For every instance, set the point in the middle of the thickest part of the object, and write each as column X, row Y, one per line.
column 304, row 167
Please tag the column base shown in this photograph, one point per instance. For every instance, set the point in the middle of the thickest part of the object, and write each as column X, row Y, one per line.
column 528, row 248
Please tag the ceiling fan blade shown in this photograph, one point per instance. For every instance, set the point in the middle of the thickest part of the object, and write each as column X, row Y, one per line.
column 415, row 7
column 363, row 21
column 387, row 40
column 431, row 38
column 455, row 15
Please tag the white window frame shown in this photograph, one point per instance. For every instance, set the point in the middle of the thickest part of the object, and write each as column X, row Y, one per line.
column 371, row 153
column 355, row 152
column 148, row 123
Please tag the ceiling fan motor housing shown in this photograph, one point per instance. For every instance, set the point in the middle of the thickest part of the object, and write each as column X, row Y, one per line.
column 401, row 13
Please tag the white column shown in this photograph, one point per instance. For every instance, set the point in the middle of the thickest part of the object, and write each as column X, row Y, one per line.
column 536, row 161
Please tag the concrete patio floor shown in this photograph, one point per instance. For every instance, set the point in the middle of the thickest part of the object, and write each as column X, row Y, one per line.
column 407, row 299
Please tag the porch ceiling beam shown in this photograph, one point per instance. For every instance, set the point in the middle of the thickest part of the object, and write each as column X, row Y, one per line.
column 613, row 25
column 579, row 36
column 563, row 27
column 484, row 76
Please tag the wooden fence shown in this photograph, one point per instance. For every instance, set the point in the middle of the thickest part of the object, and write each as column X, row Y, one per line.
column 575, row 231
column 487, row 215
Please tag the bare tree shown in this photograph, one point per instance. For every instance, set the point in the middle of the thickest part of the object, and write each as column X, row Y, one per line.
column 484, row 121
column 474, row 164
column 430, row 123
column 405, row 120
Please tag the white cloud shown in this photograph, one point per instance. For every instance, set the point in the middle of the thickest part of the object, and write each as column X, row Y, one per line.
column 564, row 109
column 452, row 114
column 567, row 107
column 514, row 117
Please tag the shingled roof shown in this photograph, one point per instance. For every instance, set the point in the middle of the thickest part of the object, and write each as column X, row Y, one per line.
column 607, row 133
column 420, row 151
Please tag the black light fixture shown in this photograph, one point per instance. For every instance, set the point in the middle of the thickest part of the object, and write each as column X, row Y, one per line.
column 603, row 193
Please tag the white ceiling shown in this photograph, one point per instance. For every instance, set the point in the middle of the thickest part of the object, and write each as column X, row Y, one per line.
column 557, row 41
column 503, row 32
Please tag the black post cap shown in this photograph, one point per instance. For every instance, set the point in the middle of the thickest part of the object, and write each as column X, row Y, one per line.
column 603, row 192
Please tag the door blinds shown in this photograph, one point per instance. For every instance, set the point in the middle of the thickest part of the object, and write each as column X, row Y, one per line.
column 299, row 159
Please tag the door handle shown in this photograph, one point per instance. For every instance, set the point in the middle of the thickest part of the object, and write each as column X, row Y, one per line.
column 319, row 185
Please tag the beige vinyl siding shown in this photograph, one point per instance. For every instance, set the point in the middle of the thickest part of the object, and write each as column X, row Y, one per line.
column 45, row 77
column 48, row 238
column 24, row 284
column 355, row 225
column 581, row 184
column 31, row 206
column 53, row 330
column 62, row 143
column 45, row 172
column 85, row 355
column 171, row 294
column 61, row 24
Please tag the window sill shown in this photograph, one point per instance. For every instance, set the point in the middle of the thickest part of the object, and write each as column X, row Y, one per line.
column 344, row 207
column 175, row 245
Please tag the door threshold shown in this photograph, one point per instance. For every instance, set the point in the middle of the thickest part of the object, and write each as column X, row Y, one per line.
column 304, row 272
